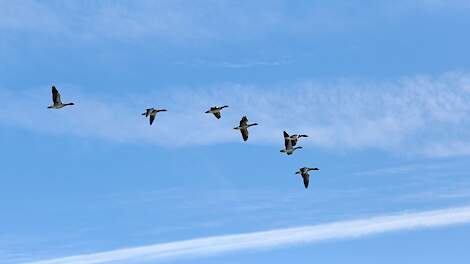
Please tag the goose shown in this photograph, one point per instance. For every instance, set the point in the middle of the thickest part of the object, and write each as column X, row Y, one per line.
column 304, row 173
column 216, row 110
column 288, row 142
column 56, row 102
column 243, row 127
column 152, row 113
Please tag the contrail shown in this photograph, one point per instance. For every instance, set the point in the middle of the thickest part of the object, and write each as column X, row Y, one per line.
column 275, row 238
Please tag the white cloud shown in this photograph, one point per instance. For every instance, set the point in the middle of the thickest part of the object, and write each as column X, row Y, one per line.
column 419, row 115
column 276, row 238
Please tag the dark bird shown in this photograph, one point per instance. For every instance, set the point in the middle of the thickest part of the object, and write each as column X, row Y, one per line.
column 56, row 102
column 304, row 173
column 152, row 113
column 216, row 110
column 243, row 127
column 288, row 142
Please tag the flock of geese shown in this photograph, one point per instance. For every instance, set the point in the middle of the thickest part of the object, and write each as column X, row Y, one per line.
column 290, row 141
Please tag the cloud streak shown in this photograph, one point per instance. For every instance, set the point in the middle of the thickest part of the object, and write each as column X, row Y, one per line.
column 276, row 238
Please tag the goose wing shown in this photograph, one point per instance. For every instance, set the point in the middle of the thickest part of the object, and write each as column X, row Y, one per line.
column 244, row 132
column 55, row 96
column 152, row 117
column 287, row 140
column 217, row 114
column 306, row 180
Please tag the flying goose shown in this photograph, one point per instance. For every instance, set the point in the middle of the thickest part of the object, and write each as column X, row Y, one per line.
column 304, row 173
column 243, row 127
column 216, row 110
column 56, row 102
column 288, row 142
column 152, row 113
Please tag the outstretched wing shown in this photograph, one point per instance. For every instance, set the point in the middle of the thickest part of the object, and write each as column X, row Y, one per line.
column 244, row 134
column 306, row 180
column 217, row 114
column 55, row 96
column 152, row 117
column 287, row 140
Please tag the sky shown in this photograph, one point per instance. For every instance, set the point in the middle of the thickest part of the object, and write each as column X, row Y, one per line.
column 382, row 89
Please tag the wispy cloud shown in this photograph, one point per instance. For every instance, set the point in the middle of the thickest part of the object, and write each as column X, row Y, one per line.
column 415, row 168
column 233, row 64
column 276, row 238
column 173, row 20
column 203, row 20
column 413, row 114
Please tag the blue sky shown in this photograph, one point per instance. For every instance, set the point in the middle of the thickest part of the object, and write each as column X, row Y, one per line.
column 383, row 90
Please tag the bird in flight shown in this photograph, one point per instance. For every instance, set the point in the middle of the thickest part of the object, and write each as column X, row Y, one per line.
column 243, row 127
column 56, row 102
column 152, row 113
column 289, row 145
column 304, row 173
column 216, row 110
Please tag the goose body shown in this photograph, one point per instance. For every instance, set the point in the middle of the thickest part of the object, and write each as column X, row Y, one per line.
column 243, row 127
column 289, row 144
column 305, row 175
column 151, row 113
column 56, row 101
column 215, row 110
